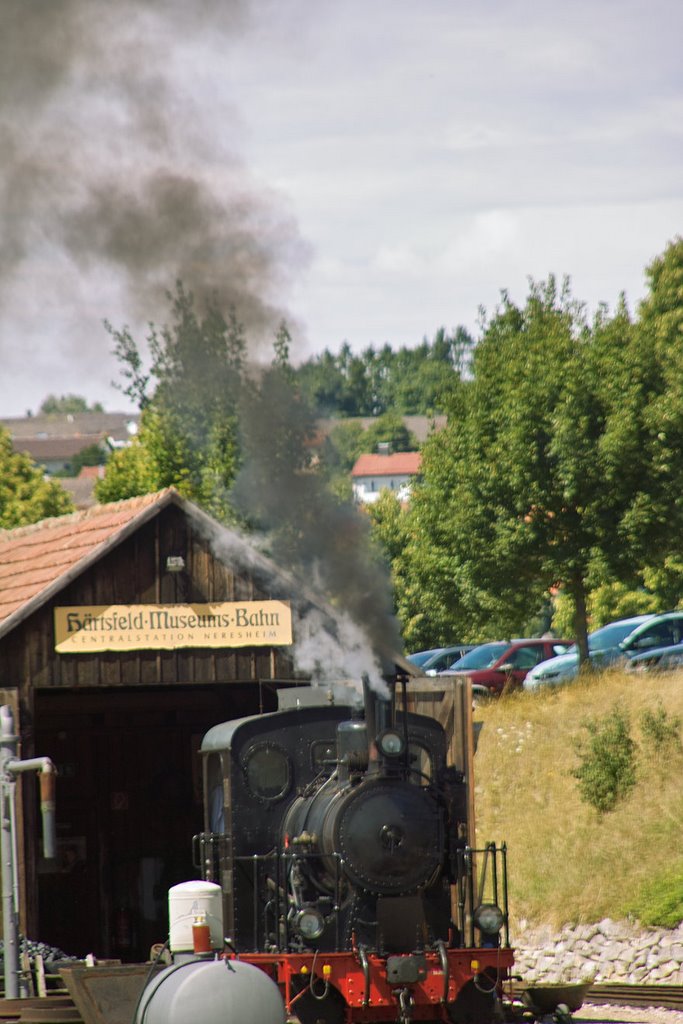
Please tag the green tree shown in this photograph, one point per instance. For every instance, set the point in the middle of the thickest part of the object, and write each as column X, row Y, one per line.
column 344, row 444
column 549, row 473
column 390, row 429
column 92, row 455
column 190, row 397
column 375, row 381
column 65, row 404
column 26, row 496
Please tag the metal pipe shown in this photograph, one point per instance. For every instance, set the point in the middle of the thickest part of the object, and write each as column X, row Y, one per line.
column 47, row 770
column 506, row 909
column 470, row 882
column 494, row 872
column 10, row 767
column 8, row 747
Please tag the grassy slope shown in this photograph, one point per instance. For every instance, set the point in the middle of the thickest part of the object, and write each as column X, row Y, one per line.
column 566, row 863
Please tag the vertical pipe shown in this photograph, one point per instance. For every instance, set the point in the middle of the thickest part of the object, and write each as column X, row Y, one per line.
column 494, row 872
column 8, row 748
column 504, row 857
column 47, row 810
column 470, row 894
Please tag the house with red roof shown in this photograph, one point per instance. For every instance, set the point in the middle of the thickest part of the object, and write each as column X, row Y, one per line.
column 376, row 472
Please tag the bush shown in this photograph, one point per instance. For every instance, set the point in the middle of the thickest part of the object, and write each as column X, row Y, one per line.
column 660, row 732
column 607, row 762
column 660, row 903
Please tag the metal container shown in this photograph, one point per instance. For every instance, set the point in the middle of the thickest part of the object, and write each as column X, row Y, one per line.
column 211, row 992
column 189, row 901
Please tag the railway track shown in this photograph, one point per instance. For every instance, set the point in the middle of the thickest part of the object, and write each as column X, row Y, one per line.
column 668, row 997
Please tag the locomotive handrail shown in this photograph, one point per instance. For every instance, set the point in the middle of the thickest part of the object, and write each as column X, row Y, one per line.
column 365, row 967
column 443, row 957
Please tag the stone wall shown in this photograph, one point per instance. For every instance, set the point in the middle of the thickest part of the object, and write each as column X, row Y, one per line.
column 610, row 951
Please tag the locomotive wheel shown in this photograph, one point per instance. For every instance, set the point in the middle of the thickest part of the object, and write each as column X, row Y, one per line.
column 474, row 1006
column 330, row 1010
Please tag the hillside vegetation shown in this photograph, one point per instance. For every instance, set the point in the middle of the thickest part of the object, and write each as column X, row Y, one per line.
column 569, row 863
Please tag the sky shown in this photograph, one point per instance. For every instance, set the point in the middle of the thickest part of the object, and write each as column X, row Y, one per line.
column 369, row 171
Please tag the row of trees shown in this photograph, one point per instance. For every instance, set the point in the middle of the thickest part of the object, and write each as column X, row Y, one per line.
column 407, row 381
column 560, row 471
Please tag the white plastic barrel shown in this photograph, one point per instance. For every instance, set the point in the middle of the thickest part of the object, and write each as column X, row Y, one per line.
column 188, row 901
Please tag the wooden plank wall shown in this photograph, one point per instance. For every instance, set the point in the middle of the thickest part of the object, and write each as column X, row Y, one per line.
column 449, row 701
column 134, row 572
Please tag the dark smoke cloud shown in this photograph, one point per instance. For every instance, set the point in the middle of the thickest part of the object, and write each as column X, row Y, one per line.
column 117, row 171
column 324, row 540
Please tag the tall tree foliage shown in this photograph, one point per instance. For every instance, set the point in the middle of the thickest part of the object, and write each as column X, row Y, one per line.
column 65, row 404
column 553, row 471
column 407, row 381
column 189, row 400
column 26, row 496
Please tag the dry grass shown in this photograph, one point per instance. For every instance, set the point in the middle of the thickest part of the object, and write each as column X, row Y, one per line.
column 566, row 863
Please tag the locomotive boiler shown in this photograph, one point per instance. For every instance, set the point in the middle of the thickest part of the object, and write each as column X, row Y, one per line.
column 337, row 832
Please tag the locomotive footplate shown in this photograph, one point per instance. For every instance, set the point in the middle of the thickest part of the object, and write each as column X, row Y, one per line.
column 367, row 984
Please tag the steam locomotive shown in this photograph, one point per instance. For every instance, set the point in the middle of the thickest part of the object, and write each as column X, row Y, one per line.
column 337, row 833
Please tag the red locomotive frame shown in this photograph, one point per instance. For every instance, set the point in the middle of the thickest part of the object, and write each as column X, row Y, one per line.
column 369, row 996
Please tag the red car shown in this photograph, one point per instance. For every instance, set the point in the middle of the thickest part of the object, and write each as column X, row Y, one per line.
column 505, row 662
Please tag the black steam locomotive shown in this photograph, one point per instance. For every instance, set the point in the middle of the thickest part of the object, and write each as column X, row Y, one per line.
column 338, row 834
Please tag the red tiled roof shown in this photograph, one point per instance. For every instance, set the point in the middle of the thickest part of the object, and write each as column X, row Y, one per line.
column 397, row 464
column 35, row 558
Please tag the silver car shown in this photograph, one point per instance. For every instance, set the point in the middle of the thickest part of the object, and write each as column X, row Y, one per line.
column 603, row 649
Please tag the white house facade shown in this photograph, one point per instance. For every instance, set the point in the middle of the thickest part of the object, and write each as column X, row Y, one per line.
column 394, row 472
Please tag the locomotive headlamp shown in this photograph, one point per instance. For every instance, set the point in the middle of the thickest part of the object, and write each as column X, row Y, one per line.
column 310, row 923
column 390, row 743
column 488, row 918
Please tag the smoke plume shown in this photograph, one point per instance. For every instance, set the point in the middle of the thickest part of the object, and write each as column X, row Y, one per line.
column 121, row 176
column 324, row 540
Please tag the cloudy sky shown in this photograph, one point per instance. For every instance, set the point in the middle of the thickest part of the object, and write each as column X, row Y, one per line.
column 369, row 170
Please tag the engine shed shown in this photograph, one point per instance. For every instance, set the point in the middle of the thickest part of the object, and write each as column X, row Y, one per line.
column 127, row 631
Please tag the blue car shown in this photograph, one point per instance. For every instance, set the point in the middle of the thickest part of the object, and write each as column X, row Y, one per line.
column 615, row 642
column 660, row 659
column 439, row 658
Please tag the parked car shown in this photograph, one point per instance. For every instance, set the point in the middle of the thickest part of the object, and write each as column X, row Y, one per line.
column 609, row 645
column 493, row 666
column 439, row 658
column 660, row 659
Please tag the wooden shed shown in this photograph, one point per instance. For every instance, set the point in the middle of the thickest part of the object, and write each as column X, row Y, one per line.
column 126, row 631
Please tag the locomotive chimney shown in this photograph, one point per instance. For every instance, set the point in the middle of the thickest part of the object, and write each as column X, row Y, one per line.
column 377, row 718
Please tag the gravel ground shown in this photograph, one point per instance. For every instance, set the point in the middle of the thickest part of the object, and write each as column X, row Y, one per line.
column 626, row 1015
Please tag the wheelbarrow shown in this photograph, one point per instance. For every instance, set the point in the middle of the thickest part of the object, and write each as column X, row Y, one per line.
column 556, row 1002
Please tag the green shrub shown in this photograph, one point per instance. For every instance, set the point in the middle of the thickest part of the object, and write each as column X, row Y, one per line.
column 606, row 772
column 660, row 903
column 661, row 733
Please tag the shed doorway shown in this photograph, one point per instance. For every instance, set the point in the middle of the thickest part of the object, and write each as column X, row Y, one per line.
column 128, row 804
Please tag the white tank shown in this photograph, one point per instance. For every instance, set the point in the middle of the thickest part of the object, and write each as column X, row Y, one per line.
column 189, row 901
column 211, row 992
